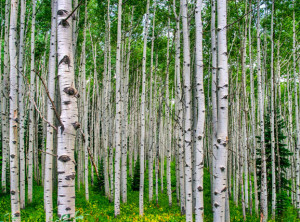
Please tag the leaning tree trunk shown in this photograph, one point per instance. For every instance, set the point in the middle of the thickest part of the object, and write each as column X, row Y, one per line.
column 66, row 134
column 220, row 175
column 48, row 184
column 143, row 121
column 13, row 114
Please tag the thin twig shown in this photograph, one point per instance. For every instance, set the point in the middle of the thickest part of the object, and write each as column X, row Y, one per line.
column 48, row 153
column 47, row 92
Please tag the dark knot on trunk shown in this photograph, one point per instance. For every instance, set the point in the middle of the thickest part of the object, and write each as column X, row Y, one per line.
column 64, row 158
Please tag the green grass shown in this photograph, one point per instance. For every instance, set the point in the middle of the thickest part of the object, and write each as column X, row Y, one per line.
column 100, row 209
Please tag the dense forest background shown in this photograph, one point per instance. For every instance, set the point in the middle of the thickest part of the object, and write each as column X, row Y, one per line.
column 150, row 110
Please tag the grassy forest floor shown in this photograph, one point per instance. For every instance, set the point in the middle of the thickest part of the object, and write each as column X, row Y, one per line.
column 100, row 209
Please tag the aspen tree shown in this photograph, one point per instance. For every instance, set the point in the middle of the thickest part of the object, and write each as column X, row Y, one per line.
column 5, row 102
column 179, row 107
column 272, row 118
column 66, row 134
column 22, row 104
column 48, row 184
column 253, row 118
column 168, row 129
column 297, row 149
column 31, row 110
column 220, row 176
column 187, row 117
column 214, row 90
column 263, row 196
column 13, row 114
column 151, row 136
column 199, row 164
column 85, row 109
column 118, row 114
column 143, row 123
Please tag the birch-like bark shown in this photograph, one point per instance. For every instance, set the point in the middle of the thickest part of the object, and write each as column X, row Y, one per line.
column 143, row 121
column 31, row 110
column 199, row 164
column 263, row 196
column 179, row 107
column 48, row 184
column 253, row 118
column 151, row 136
column 118, row 113
column 85, row 110
column 168, row 129
column 214, row 91
column 13, row 114
column 4, row 102
column 272, row 118
column 66, row 134
column 125, row 117
column 297, row 149
column 187, row 117
column 22, row 104
column 220, row 175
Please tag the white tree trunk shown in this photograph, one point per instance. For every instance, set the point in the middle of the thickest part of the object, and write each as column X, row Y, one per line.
column 187, row 117
column 13, row 115
column 118, row 114
column 263, row 195
column 253, row 120
column 4, row 102
column 22, row 104
column 48, row 184
column 151, row 134
column 272, row 119
column 85, row 111
column 143, row 121
column 220, row 176
column 199, row 164
column 31, row 111
column 297, row 150
column 69, row 112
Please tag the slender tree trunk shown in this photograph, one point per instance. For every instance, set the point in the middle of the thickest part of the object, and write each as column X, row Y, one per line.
column 168, row 129
column 31, row 111
column 143, row 123
column 118, row 113
column 272, row 119
column 263, row 196
column 253, row 119
column 85, row 110
column 151, row 136
column 187, row 121
column 22, row 104
column 48, row 184
column 220, row 176
column 13, row 114
column 199, row 206
column 4, row 102
column 66, row 134
column 214, row 92
column 297, row 150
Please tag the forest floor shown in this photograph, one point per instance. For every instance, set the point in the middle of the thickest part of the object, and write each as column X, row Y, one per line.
column 100, row 209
